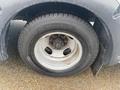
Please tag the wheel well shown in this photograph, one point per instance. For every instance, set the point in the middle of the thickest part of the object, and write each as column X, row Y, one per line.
column 53, row 7
column 99, row 26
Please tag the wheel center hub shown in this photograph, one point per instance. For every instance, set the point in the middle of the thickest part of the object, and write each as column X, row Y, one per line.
column 58, row 41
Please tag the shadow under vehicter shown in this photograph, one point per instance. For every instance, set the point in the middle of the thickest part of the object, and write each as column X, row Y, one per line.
column 62, row 37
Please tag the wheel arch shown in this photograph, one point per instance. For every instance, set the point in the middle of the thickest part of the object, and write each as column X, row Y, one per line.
column 87, row 12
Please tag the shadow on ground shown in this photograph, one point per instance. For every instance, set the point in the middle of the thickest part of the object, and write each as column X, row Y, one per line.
column 14, row 75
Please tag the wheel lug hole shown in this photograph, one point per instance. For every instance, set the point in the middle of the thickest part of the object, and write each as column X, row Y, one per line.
column 48, row 50
column 71, row 38
column 67, row 51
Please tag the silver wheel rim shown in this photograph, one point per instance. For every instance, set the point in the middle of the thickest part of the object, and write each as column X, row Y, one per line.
column 56, row 60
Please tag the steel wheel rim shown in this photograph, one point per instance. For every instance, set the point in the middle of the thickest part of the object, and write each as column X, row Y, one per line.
column 57, row 61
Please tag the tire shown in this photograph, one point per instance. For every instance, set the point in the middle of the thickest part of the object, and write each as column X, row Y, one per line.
column 65, row 23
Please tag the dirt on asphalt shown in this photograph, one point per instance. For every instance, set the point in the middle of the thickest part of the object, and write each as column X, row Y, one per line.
column 14, row 75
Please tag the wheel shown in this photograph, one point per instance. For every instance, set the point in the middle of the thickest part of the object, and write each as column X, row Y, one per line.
column 58, row 44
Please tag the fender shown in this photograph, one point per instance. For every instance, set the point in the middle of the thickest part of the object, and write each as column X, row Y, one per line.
column 107, row 10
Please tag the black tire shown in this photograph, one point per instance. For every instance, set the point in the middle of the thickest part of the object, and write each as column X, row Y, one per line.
column 68, row 24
